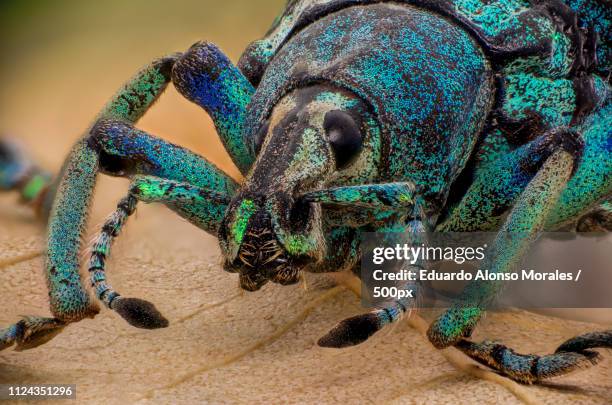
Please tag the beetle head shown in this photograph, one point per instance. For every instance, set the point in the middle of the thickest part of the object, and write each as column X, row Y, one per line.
column 268, row 233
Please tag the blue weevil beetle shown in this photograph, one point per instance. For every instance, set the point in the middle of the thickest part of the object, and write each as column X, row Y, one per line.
column 355, row 116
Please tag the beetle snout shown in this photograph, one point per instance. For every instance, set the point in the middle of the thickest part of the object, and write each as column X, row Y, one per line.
column 254, row 238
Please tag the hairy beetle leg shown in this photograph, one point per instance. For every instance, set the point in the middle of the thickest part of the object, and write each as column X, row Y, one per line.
column 201, row 207
column 587, row 341
column 30, row 332
column 484, row 203
column 528, row 368
column 526, row 220
column 67, row 200
column 522, row 226
column 73, row 190
column 114, row 147
column 206, row 76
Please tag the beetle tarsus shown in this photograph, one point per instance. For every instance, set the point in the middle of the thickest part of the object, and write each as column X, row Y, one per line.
column 30, row 332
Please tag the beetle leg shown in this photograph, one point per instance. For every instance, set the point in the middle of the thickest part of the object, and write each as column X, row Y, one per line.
column 129, row 104
column 358, row 329
column 114, row 147
column 592, row 183
column 207, row 77
column 68, row 200
column 524, row 223
column 201, row 207
column 486, row 201
column 528, row 368
column 125, row 150
column 30, row 332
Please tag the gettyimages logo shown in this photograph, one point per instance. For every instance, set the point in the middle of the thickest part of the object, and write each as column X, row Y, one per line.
column 413, row 254
column 559, row 270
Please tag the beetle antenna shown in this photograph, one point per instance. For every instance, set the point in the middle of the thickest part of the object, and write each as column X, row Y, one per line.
column 137, row 312
column 386, row 196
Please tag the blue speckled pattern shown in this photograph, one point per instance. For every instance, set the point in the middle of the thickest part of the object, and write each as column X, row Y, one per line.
column 446, row 76
column 354, row 116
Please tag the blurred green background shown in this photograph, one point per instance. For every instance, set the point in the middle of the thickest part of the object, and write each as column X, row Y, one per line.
column 63, row 59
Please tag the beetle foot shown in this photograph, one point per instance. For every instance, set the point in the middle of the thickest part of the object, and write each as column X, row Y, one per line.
column 527, row 368
column 30, row 332
column 139, row 313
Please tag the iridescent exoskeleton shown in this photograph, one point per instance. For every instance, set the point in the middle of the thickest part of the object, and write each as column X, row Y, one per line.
column 355, row 116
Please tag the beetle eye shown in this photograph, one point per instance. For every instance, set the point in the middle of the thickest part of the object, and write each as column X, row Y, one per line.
column 344, row 136
column 260, row 136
